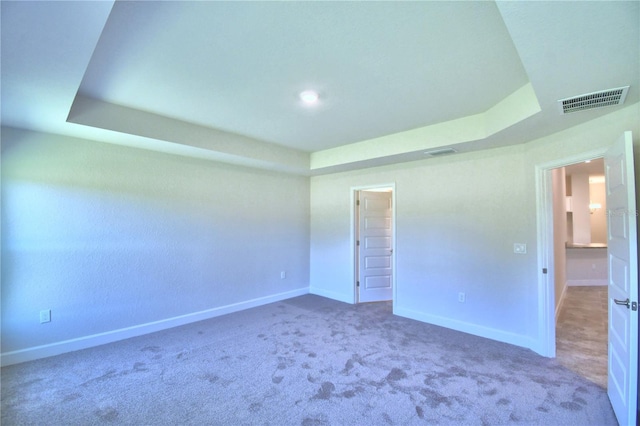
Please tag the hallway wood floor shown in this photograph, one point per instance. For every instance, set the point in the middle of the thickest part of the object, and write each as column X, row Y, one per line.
column 581, row 332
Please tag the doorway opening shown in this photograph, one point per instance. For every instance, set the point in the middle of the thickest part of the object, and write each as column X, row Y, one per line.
column 373, row 224
column 549, row 247
column 581, row 272
column 622, row 265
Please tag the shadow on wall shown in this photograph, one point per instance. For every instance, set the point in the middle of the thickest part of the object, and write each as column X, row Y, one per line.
column 110, row 237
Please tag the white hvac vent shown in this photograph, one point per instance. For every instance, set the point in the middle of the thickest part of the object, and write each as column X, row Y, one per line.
column 443, row 151
column 600, row 99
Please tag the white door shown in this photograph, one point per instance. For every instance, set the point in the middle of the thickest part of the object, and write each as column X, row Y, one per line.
column 374, row 246
column 623, row 280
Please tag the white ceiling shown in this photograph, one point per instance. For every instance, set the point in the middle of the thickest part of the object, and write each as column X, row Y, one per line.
column 592, row 168
column 220, row 80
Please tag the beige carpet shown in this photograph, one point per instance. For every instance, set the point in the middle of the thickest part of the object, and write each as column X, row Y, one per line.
column 304, row 361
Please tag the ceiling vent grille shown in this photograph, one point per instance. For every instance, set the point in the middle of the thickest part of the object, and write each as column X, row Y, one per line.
column 600, row 99
column 438, row 152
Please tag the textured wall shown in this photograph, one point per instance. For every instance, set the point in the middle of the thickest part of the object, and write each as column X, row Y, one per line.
column 109, row 237
column 457, row 219
column 581, row 217
column 597, row 194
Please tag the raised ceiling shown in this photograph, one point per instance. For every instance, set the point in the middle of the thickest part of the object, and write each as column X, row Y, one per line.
column 220, row 80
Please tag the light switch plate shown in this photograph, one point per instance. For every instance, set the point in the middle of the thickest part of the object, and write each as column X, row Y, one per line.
column 519, row 248
column 45, row 316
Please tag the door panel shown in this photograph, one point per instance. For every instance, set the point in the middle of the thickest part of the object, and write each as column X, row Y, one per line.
column 623, row 280
column 378, row 262
column 377, row 282
column 375, row 274
column 371, row 243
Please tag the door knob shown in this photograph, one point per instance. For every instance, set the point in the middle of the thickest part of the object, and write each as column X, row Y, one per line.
column 622, row 302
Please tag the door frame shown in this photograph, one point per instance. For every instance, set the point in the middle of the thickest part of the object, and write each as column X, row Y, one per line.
column 544, row 219
column 355, row 223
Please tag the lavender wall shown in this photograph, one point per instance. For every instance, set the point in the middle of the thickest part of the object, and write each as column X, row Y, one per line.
column 118, row 241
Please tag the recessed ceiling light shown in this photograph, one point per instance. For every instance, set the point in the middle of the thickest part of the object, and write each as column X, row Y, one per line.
column 309, row 97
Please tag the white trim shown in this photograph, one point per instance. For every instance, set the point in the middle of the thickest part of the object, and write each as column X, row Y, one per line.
column 331, row 295
column 561, row 303
column 467, row 327
column 574, row 159
column 354, row 190
column 394, row 290
column 57, row 348
column 353, row 215
column 546, row 290
column 546, row 344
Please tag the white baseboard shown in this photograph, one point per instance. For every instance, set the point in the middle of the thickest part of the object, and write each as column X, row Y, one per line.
column 332, row 295
column 465, row 327
column 591, row 282
column 561, row 302
column 57, row 348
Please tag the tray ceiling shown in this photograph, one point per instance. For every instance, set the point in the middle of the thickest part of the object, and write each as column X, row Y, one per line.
column 221, row 80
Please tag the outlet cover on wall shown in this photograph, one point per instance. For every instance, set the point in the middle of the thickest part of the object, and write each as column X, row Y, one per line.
column 520, row 248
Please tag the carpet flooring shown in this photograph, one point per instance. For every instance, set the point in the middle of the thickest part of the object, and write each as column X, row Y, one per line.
column 304, row 361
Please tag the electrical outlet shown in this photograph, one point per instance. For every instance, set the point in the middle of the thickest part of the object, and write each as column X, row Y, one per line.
column 283, row 275
column 45, row 316
column 520, row 248
column 461, row 297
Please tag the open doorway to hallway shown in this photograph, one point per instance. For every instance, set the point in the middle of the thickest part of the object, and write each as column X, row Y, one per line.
column 622, row 267
column 580, row 251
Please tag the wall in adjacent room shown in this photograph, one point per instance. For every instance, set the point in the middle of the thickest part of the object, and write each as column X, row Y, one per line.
column 597, row 194
column 117, row 241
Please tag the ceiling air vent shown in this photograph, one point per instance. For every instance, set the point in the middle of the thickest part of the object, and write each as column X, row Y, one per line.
column 604, row 98
column 438, row 152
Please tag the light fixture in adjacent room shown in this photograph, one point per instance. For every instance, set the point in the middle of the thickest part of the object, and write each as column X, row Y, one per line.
column 309, row 97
